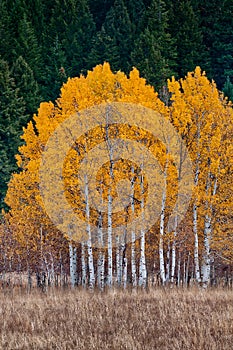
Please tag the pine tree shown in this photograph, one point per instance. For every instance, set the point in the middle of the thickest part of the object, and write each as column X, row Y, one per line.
column 185, row 28
column 6, row 31
column 36, row 14
column 118, row 27
column 217, row 26
column 222, row 49
column 72, row 25
column 26, row 45
column 12, row 116
column 28, row 87
column 136, row 11
column 55, row 69
column 155, row 53
column 228, row 89
column 104, row 49
column 99, row 9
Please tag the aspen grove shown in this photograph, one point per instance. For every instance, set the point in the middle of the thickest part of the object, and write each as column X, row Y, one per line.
column 197, row 250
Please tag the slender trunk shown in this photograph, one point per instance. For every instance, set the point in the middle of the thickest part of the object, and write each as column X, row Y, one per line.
column 195, row 210
column 100, row 267
column 101, row 256
column 173, row 266
column 52, row 270
column 124, row 260
column 89, row 243
column 206, row 254
column 83, row 263
column 196, row 245
column 161, row 234
column 118, row 261
column 168, row 263
column 73, row 265
column 184, row 272
column 110, row 199
column 133, row 238
column 178, row 270
column 125, row 266
column 109, row 277
column 142, row 266
column 207, row 236
column 61, row 270
column 187, row 271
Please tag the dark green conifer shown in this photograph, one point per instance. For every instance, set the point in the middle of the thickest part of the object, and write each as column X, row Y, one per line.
column 118, row 27
column 26, row 85
column 104, row 49
column 155, row 52
column 185, row 28
column 12, row 116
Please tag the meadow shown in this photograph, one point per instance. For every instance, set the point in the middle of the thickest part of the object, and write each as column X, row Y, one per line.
column 165, row 319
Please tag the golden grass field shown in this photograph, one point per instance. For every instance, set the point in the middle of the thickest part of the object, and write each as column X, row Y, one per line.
column 157, row 319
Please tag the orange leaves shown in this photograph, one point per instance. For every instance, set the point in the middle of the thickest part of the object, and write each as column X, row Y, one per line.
column 198, row 112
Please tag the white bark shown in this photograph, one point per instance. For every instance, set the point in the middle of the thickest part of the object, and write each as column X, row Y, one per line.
column 206, row 254
column 142, row 266
column 178, row 270
column 195, row 214
column 100, row 267
column 73, row 265
column 161, row 234
column 125, row 265
column 168, row 263
column 173, row 262
column 110, row 199
column 89, row 244
column 109, row 277
column 196, row 245
column 118, row 261
column 207, row 238
column 133, row 262
column 83, row 263
column 101, row 256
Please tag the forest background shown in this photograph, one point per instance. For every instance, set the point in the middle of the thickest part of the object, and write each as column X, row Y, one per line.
column 43, row 43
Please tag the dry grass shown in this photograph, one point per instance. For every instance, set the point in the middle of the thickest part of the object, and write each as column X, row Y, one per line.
column 158, row 319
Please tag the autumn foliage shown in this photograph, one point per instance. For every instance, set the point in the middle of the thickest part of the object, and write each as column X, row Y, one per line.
column 203, row 119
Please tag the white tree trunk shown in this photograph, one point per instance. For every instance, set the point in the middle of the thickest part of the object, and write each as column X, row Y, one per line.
column 173, row 263
column 161, row 234
column 207, row 236
column 118, row 261
column 109, row 277
column 142, row 266
column 178, row 270
column 168, row 263
column 206, row 254
column 195, row 214
column 125, row 267
column 89, row 243
column 83, row 263
column 110, row 200
column 196, row 245
column 73, row 265
column 101, row 256
column 133, row 262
